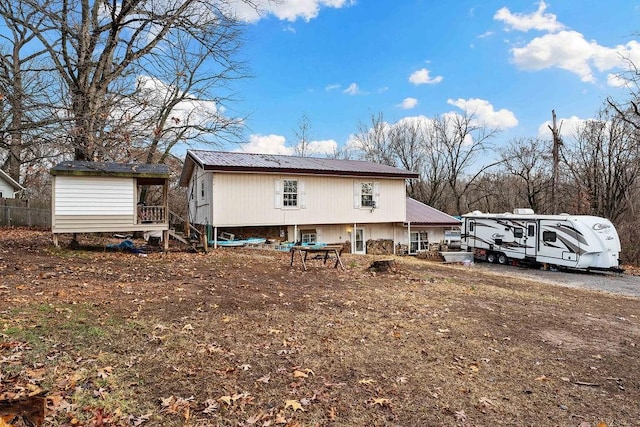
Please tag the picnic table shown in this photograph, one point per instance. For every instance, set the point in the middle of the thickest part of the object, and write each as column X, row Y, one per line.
column 326, row 250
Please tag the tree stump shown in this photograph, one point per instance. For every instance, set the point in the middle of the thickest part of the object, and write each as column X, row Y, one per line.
column 383, row 266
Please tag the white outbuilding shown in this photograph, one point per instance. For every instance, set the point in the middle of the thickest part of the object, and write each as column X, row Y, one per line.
column 92, row 197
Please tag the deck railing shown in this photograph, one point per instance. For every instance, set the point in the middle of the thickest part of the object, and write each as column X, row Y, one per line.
column 152, row 215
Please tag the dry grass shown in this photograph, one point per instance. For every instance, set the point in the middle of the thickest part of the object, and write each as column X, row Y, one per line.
column 240, row 338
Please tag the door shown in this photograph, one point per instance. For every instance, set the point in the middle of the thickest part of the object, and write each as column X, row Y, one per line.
column 360, row 246
column 531, row 240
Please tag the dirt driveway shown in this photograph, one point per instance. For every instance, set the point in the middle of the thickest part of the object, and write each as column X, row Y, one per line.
column 621, row 284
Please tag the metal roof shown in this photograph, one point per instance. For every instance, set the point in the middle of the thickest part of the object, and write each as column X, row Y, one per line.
column 83, row 168
column 419, row 213
column 271, row 163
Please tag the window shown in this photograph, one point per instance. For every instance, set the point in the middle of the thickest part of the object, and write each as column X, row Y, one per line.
column 471, row 225
column 202, row 188
column 290, row 193
column 518, row 232
column 419, row 242
column 366, row 195
column 309, row 237
column 549, row 236
column 531, row 230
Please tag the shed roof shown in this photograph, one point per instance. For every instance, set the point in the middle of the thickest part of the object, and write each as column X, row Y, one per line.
column 420, row 214
column 271, row 163
column 12, row 182
column 84, row 168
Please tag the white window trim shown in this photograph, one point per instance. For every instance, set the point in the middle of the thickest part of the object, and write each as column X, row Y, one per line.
column 279, row 194
column 357, row 195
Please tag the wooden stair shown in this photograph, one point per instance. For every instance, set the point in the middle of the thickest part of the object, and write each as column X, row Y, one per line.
column 197, row 244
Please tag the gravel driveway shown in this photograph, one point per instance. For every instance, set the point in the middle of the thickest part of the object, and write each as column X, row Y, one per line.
column 622, row 284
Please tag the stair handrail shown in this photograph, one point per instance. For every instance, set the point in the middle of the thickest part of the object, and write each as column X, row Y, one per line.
column 173, row 216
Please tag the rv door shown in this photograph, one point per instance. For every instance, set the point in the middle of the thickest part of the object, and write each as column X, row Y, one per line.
column 530, row 242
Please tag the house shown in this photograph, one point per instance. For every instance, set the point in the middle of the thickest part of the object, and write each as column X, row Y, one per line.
column 298, row 199
column 426, row 225
column 103, row 197
column 9, row 187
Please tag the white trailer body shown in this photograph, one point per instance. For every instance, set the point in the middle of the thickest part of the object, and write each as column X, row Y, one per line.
column 572, row 241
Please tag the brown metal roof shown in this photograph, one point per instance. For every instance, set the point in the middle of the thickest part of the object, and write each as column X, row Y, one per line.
column 271, row 163
column 420, row 214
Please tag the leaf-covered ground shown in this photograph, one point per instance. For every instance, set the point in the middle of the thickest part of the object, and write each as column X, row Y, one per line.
column 240, row 338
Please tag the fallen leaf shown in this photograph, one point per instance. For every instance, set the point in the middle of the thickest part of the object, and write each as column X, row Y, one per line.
column 461, row 416
column 225, row 399
column 299, row 374
column 105, row 372
column 367, row 381
column 541, row 378
column 265, row 379
column 293, row 404
column 187, row 327
column 380, row 401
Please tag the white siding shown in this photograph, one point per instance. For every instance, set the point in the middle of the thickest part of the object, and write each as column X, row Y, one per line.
column 6, row 189
column 86, row 196
column 241, row 199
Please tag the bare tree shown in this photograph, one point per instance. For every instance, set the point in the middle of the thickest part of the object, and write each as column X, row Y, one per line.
column 99, row 50
column 373, row 139
column 527, row 161
column 460, row 140
column 604, row 161
column 303, row 135
column 23, row 112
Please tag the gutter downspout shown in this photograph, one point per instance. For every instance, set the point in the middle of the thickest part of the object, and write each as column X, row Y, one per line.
column 409, row 233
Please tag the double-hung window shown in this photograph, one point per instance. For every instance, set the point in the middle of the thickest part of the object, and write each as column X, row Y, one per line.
column 366, row 195
column 290, row 193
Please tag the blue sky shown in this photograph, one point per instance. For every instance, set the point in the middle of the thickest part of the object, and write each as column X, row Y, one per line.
column 509, row 63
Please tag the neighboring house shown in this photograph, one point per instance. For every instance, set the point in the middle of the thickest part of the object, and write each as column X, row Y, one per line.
column 9, row 187
column 299, row 199
column 427, row 225
column 103, row 197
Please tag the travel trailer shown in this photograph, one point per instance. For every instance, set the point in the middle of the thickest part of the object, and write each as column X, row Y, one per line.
column 567, row 241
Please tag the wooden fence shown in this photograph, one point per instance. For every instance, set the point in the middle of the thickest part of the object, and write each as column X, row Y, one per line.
column 19, row 213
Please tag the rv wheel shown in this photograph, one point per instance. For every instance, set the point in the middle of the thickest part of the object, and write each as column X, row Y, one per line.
column 491, row 257
column 502, row 259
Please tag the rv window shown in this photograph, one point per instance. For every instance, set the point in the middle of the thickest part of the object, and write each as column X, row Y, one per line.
column 471, row 225
column 531, row 230
column 518, row 232
column 549, row 236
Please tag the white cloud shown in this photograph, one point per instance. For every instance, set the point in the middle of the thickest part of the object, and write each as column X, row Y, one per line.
column 568, row 127
column 285, row 10
column 570, row 51
column 353, row 89
column 617, row 80
column 331, row 87
column 422, row 76
column 409, row 103
column 484, row 113
column 322, row 147
column 537, row 20
column 266, row 144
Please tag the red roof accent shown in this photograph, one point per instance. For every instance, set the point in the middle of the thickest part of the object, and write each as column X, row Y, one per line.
column 420, row 214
